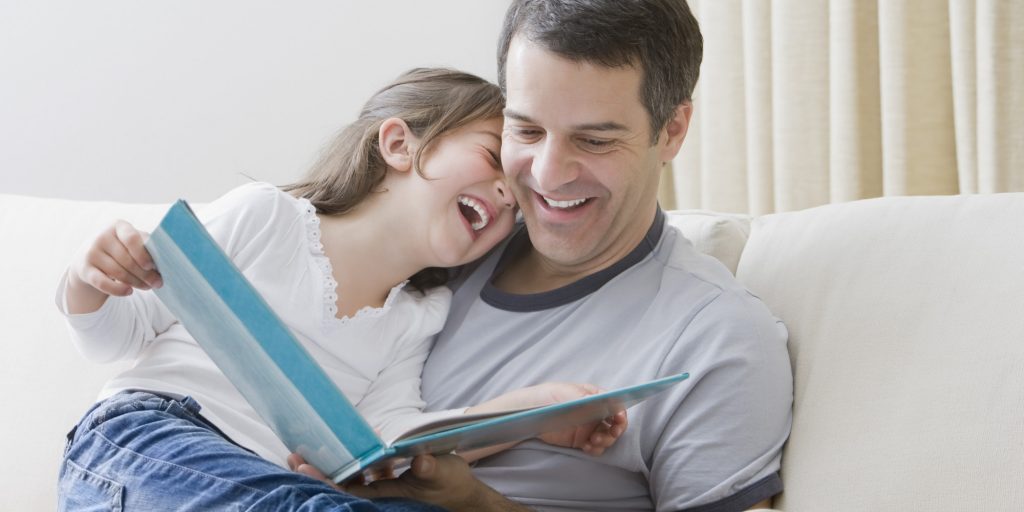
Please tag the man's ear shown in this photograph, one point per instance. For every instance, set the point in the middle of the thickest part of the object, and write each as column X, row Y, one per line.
column 675, row 131
column 397, row 144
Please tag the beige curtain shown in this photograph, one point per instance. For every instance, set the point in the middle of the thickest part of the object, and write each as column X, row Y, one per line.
column 807, row 102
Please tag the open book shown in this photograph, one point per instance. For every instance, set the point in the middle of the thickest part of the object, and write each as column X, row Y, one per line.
column 293, row 395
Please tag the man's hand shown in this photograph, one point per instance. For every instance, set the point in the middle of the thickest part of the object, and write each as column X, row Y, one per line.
column 445, row 481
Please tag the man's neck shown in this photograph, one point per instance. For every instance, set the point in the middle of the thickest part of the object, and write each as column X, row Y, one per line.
column 527, row 271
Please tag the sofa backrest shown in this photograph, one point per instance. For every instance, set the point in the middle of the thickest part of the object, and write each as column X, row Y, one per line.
column 906, row 319
column 721, row 235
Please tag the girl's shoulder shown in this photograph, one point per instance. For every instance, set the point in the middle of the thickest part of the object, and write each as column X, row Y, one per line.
column 253, row 213
column 438, row 296
column 256, row 202
column 426, row 310
column 256, row 195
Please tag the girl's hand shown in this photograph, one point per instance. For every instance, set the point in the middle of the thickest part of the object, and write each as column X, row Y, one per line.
column 114, row 264
column 593, row 438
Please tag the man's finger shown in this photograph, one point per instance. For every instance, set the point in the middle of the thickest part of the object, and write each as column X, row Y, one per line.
column 424, row 467
column 391, row 488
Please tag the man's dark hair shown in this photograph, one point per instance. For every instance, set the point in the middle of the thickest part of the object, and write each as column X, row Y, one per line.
column 659, row 37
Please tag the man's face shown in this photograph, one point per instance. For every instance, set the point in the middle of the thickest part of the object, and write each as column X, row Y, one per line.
column 576, row 147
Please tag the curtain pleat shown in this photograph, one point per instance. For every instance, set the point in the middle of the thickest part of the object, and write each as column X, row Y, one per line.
column 1000, row 88
column 855, row 111
column 807, row 102
column 963, row 51
column 757, row 47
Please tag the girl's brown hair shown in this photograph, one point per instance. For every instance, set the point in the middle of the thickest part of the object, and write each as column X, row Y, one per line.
column 432, row 102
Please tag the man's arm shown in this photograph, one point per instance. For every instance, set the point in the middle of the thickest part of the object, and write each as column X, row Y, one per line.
column 446, row 481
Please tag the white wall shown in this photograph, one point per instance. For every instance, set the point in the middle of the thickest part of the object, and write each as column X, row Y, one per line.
column 150, row 101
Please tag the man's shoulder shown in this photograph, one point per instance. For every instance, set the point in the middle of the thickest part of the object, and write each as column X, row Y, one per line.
column 687, row 268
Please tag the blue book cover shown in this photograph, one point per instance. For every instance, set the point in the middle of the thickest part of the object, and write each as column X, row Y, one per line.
column 293, row 395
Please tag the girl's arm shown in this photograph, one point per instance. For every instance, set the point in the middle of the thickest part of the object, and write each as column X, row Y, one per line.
column 393, row 403
column 114, row 264
column 592, row 438
column 106, row 293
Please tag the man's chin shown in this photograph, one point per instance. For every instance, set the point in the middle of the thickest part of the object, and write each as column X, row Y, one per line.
column 570, row 249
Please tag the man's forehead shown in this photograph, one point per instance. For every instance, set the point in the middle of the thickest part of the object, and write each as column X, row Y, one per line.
column 540, row 83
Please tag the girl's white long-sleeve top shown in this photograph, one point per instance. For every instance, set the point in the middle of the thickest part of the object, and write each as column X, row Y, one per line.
column 375, row 357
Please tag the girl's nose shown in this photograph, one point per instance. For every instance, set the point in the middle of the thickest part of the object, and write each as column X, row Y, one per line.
column 504, row 193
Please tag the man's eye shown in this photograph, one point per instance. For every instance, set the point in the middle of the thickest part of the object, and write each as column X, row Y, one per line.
column 595, row 144
column 526, row 133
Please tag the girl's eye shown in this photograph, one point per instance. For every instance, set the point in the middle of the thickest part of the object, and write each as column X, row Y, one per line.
column 495, row 159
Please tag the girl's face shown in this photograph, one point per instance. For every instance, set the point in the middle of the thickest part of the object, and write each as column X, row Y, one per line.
column 467, row 205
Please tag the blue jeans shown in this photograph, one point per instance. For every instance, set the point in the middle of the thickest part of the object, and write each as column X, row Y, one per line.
column 140, row 451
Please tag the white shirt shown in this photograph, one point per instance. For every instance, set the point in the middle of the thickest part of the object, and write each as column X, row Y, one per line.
column 375, row 357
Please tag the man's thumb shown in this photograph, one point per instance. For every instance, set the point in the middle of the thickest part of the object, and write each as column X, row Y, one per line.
column 423, row 466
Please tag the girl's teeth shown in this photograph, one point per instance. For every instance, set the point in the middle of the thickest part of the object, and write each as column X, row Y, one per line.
column 480, row 210
column 564, row 204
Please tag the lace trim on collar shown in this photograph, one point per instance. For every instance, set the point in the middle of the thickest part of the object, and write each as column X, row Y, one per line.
column 330, row 286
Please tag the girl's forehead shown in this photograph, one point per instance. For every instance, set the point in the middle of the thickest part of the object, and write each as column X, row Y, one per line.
column 490, row 128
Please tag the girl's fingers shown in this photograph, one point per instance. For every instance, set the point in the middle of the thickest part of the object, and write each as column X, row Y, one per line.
column 99, row 280
column 134, row 241
column 116, row 264
column 619, row 418
column 134, row 274
column 133, row 244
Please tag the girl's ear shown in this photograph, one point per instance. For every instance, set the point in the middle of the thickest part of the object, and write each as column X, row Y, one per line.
column 397, row 144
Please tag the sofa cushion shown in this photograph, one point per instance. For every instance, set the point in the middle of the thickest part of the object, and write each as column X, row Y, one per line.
column 906, row 320
column 721, row 235
column 47, row 385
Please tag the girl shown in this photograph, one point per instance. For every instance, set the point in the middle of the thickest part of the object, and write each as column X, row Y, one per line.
column 352, row 258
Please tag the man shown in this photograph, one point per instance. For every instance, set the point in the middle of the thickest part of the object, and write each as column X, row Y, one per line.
column 597, row 288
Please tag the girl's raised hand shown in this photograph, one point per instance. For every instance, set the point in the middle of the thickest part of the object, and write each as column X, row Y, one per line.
column 114, row 264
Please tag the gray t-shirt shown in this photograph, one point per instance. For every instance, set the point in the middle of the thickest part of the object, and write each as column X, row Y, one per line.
column 710, row 443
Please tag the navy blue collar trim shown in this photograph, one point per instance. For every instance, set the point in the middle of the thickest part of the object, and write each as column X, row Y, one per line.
column 570, row 292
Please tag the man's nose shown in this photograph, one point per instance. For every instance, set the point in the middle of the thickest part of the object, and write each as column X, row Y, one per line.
column 553, row 166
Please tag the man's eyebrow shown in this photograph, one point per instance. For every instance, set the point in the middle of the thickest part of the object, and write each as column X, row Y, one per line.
column 607, row 126
column 512, row 114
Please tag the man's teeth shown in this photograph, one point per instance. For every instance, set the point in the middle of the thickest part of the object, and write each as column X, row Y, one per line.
column 564, row 204
column 480, row 210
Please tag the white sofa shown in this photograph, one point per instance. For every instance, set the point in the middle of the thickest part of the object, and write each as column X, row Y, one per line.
column 907, row 337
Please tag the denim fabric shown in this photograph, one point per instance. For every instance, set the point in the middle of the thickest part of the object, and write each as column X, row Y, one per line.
column 140, row 451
